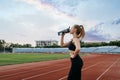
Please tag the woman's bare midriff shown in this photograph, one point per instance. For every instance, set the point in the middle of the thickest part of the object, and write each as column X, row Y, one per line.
column 71, row 53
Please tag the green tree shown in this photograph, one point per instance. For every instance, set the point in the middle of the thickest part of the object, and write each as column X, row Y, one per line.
column 2, row 43
column 104, row 44
column 114, row 43
column 20, row 45
column 27, row 45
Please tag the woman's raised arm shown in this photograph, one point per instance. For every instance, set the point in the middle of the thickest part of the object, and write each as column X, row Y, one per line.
column 62, row 41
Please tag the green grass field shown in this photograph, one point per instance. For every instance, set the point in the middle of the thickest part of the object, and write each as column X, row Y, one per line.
column 8, row 59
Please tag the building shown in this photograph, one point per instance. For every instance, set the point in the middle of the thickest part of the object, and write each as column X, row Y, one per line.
column 42, row 43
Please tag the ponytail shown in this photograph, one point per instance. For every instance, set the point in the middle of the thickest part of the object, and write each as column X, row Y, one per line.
column 80, row 31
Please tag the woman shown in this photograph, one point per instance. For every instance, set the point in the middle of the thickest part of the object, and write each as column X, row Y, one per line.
column 74, row 48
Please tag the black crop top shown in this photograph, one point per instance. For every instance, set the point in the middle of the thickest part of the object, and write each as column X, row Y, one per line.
column 71, row 46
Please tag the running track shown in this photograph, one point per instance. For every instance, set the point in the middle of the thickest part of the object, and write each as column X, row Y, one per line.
column 96, row 67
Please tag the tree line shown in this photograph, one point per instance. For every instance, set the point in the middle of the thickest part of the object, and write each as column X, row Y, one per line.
column 4, row 44
column 7, row 47
column 97, row 44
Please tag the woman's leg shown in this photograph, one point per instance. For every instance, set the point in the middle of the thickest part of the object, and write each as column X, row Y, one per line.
column 75, row 70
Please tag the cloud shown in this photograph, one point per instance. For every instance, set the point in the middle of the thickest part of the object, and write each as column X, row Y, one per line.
column 67, row 12
column 94, row 36
column 30, row 20
column 64, row 6
column 116, row 22
column 47, row 7
column 28, row 28
column 104, row 31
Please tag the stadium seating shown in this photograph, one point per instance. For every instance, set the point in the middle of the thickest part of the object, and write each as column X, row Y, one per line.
column 39, row 50
column 103, row 50
column 91, row 49
column 115, row 50
column 65, row 50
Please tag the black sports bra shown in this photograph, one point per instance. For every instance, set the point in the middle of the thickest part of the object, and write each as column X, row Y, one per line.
column 71, row 46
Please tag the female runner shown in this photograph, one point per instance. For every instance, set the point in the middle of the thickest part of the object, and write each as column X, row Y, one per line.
column 78, row 33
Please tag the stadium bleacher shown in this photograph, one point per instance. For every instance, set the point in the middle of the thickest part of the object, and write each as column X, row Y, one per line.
column 91, row 49
column 116, row 50
column 65, row 50
column 39, row 50
column 103, row 50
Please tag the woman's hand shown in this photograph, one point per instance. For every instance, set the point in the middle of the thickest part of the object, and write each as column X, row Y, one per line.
column 72, row 56
column 62, row 41
column 63, row 34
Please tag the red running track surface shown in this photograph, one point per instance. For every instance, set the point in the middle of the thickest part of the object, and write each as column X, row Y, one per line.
column 96, row 67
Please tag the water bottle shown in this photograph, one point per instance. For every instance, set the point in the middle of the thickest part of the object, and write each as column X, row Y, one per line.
column 64, row 31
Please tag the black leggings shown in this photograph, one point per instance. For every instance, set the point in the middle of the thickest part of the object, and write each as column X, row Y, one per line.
column 75, row 71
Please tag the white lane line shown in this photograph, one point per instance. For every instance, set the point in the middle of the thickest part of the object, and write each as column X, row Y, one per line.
column 13, row 74
column 44, row 73
column 82, row 70
column 22, row 66
column 90, row 66
column 107, row 69
column 15, row 68
column 63, row 78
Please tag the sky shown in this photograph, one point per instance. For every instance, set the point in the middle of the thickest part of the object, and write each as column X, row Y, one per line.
column 25, row 21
